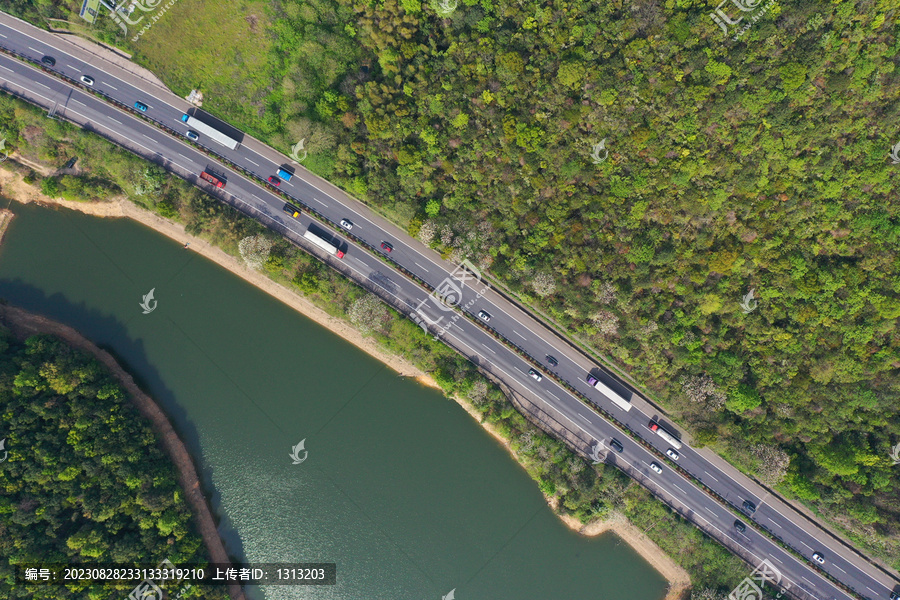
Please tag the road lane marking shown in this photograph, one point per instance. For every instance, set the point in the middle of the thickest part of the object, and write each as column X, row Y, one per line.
column 519, row 334
column 74, row 68
column 711, row 477
column 36, row 50
column 709, row 510
column 679, row 487
column 320, row 202
column 182, row 155
column 806, row 580
column 77, row 102
column 554, row 395
column 421, row 267
column 491, row 349
column 840, row 569
column 111, row 119
column 584, row 417
column 778, row 559
column 7, row 68
column 1, row 35
column 41, row 84
column 148, row 137
column 776, row 524
column 251, row 162
column 109, row 86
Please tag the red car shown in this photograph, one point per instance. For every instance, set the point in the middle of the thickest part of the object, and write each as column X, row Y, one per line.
column 386, row 247
column 274, row 181
column 653, row 426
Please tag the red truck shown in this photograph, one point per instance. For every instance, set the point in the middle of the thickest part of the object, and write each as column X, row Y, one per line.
column 212, row 179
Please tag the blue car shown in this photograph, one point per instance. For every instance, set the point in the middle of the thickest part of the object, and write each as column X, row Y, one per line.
column 140, row 106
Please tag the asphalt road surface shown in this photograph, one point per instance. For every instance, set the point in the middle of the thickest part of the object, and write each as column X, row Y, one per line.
column 256, row 199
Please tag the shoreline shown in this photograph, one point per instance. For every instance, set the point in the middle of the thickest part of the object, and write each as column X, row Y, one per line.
column 19, row 191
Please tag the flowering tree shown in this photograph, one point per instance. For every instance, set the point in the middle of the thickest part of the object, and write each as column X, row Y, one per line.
column 254, row 250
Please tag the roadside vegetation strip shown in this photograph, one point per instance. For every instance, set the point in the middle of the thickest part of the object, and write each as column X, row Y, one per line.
column 509, row 343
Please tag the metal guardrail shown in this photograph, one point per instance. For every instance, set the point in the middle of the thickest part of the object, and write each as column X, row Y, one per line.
column 231, row 200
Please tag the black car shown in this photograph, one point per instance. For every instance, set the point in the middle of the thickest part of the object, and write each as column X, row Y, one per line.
column 749, row 507
column 551, row 360
column 895, row 595
column 740, row 526
column 49, row 61
column 615, row 445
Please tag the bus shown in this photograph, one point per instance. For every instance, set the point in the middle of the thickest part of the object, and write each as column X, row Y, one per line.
column 210, row 132
column 654, row 426
column 323, row 244
column 606, row 391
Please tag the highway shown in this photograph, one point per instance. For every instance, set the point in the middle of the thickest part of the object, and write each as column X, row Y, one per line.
column 471, row 336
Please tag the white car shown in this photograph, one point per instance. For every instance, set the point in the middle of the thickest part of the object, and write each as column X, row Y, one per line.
column 484, row 316
column 535, row 375
column 818, row 558
column 346, row 224
column 86, row 80
column 672, row 454
column 655, row 467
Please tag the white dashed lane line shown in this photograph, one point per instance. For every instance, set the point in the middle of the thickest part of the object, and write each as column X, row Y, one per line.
column 251, row 162
column 6, row 69
column 421, row 267
column 554, row 395
column 111, row 87
column 518, row 334
column 491, row 349
column 679, row 487
column 74, row 68
column 710, row 476
column 584, row 417
column 36, row 50
column 114, row 120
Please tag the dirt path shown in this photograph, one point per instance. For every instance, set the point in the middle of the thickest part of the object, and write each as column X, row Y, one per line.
column 24, row 324
column 12, row 185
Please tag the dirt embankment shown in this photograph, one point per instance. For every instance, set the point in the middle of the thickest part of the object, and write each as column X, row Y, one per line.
column 12, row 184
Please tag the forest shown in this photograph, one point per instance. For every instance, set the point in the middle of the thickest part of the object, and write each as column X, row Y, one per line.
column 85, row 481
column 733, row 245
